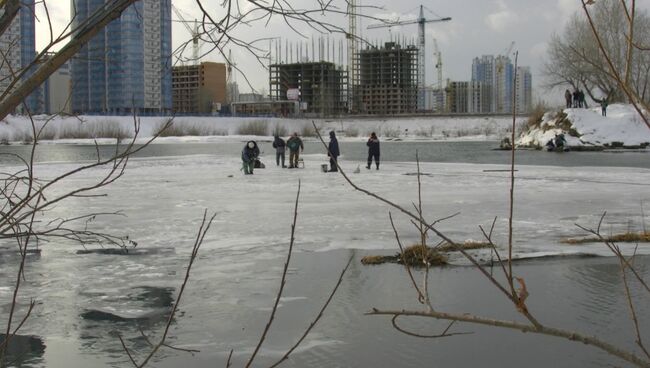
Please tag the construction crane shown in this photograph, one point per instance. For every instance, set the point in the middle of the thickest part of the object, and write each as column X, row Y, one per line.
column 421, row 21
column 194, row 32
column 439, row 94
column 352, row 50
column 501, row 60
column 438, row 57
column 230, row 95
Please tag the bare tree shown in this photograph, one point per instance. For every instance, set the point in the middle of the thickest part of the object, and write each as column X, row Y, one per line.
column 575, row 58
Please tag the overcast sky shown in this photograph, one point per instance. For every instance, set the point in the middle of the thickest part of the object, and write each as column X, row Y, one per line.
column 478, row 27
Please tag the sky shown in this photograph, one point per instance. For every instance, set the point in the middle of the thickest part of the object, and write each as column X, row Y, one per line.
column 478, row 27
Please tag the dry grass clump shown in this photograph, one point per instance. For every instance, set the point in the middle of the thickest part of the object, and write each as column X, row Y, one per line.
column 373, row 260
column 390, row 132
column 280, row 131
column 425, row 131
column 629, row 237
column 536, row 116
column 308, row 131
column 464, row 132
column 351, row 131
column 110, row 129
column 418, row 255
column 182, row 130
column 467, row 245
column 256, row 127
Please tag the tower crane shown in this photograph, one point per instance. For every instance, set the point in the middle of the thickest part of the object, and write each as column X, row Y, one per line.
column 420, row 21
column 194, row 32
column 501, row 60
column 438, row 55
column 439, row 94
column 352, row 50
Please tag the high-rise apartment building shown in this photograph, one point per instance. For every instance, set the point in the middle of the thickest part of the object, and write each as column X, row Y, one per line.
column 484, row 71
column 127, row 66
column 479, row 98
column 524, row 90
column 503, row 87
column 498, row 74
column 388, row 79
column 18, row 46
column 457, row 97
column 199, row 89
column 55, row 91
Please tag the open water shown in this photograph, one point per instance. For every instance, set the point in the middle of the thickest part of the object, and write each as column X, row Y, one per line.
column 460, row 152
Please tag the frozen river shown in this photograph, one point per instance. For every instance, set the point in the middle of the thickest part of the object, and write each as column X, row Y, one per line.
column 166, row 189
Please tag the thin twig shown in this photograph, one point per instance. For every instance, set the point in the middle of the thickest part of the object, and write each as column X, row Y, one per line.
column 411, row 333
column 408, row 267
column 543, row 330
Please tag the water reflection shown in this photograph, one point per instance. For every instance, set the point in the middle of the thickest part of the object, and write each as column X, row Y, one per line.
column 24, row 351
column 441, row 151
column 129, row 313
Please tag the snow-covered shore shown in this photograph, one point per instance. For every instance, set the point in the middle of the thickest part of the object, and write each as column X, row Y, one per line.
column 622, row 127
column 83, row 129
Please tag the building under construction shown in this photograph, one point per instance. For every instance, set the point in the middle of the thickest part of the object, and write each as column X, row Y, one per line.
column 319, row 86
column 199, row 89
column 388, row 79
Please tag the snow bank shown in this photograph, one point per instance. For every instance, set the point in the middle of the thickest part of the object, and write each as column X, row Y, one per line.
column 82, row 129
column 586, row 127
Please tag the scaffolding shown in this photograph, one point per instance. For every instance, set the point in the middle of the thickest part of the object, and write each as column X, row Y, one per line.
column 389, row 79
column 321, row 86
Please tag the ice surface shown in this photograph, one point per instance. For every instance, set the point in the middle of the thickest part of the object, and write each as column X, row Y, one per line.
column 163, row 199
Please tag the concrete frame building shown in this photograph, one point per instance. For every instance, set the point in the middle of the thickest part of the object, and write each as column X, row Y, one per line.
column 479, row 98
column 199, row 89
column 388, row 79
column 457, row 97
column 18, row 45
column 127, row 65
column 321, row 86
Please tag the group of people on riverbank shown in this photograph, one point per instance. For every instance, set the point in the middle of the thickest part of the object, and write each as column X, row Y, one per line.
column 295, row 145
column 577, row 100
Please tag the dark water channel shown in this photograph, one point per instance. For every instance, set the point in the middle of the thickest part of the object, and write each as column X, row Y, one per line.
column 582, row 294
column 460, row 152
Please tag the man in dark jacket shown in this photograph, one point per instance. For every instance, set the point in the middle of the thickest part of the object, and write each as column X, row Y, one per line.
column 333, row 152
column 295, row 146
column 248, row 156
column 279, row 145
column 373, row 150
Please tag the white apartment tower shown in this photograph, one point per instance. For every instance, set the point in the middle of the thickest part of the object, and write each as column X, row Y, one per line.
column 523, row 90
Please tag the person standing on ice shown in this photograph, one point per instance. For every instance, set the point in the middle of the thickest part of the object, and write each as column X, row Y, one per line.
column 333, row 152
column 295, row 146
column 567, row 97
column 373, row 150
column 248, row 156
column 603, row 105
column 279, row 145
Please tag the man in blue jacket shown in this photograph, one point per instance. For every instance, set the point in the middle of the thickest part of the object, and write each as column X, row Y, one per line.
column 333, row 152
column 248, row 156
